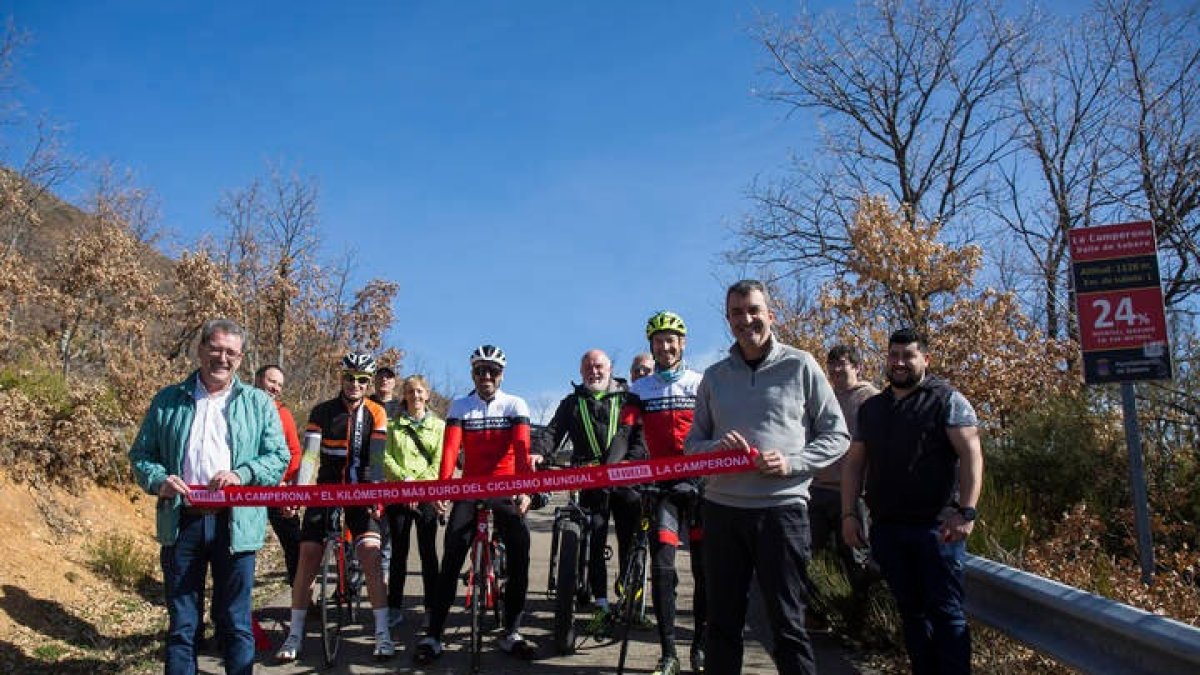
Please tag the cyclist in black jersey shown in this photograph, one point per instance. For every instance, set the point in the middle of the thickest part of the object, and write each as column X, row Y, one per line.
column 343, row 443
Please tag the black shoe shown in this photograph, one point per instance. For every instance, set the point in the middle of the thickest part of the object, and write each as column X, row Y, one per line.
column 427, row 650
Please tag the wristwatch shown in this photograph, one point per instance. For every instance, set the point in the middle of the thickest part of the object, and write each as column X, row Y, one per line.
column 968, row 513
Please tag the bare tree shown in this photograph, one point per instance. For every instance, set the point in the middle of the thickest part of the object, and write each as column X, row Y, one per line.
column 34, row 166
column 273, row 238
column 907, row 95
column 1158, row 89
column 117, row 195
column 291, row 220
column 1060, row 115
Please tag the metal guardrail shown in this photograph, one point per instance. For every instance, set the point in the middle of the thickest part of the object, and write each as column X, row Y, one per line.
column 1082, row 630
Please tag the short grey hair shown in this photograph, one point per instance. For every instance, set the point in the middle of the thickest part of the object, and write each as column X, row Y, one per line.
column 227, row 326
column 746, row 287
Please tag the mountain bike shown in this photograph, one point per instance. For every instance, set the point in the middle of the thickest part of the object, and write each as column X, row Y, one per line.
column 485, row 579
column 340, row 583
column 633, row 584
column 568, row 581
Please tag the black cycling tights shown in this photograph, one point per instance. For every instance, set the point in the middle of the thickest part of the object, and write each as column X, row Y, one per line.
column 664, row 579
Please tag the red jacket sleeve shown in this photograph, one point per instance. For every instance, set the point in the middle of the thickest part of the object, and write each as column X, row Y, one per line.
column 293, row 443
column 520, row 441
column 451, row 442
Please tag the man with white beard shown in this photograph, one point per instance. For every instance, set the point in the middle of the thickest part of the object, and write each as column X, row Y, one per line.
column 590, row 417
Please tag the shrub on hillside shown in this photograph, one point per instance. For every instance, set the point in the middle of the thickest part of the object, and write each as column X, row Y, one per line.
column 1075, row 553
column 1059, row 454
column 121, row 559
column 59, row 430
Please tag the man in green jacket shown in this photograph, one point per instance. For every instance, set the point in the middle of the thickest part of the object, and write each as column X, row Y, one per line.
column 209, row 430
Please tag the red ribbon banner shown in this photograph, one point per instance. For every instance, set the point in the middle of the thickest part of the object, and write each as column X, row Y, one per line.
column 479, row 487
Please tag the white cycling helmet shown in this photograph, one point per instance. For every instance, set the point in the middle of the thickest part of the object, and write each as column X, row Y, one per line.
column 489, row 354
column 359, row 363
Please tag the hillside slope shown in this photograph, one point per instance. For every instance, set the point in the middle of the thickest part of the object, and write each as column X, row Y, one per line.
column 57, row 614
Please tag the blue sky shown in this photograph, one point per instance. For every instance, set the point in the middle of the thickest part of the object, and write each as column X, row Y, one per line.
column 539, row 175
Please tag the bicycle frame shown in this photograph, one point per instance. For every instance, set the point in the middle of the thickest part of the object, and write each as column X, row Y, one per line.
column 484, row 579
column 631, row 602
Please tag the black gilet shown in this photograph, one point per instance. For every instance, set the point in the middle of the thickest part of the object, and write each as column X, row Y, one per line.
column 912, row 469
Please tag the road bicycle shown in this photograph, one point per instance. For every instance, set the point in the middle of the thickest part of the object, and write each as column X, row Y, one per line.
column 341, row 581
column 485, row 579
column 568, row 582
column 633, row 584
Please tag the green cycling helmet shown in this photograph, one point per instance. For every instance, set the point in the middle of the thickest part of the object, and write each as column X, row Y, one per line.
column 665, row 320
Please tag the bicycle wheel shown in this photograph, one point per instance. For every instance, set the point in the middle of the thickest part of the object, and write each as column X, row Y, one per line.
column 564, row 595
column 635, row 594
column 333, row 614
column 477, row 592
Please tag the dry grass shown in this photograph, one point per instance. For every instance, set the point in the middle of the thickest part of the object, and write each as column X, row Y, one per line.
column 82, row 591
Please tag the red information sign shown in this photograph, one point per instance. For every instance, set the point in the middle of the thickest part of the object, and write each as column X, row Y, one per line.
column 1119, row 302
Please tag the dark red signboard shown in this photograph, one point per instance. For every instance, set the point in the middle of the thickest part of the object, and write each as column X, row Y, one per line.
column 1119, row 302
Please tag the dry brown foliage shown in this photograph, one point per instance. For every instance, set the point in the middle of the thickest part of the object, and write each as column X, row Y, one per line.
column 76, row 441
column 100, row 320
column 900, row 274
column 1078, row 554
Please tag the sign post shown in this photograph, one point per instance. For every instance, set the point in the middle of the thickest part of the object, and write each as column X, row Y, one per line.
column 1123, row 333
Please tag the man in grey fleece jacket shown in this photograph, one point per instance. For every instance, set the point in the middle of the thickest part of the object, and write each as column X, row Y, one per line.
column 775, row 399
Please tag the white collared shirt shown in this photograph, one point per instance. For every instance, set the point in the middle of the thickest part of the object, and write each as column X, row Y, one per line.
column 208, row 444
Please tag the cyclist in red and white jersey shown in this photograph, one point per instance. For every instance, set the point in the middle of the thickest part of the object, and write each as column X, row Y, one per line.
column 491, row 427
column 662, row 403
column 344, row 438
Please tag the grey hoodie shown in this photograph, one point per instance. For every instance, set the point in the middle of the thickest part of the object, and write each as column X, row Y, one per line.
column 785, row 404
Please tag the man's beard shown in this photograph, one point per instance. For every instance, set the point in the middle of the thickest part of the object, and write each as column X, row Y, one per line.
column 595, row 388
column 907, row 381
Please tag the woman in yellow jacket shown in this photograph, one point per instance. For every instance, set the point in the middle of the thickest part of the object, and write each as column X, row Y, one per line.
column 414, row 452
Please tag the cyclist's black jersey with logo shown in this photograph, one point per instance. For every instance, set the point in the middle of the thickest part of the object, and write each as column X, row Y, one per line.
column 349, row 439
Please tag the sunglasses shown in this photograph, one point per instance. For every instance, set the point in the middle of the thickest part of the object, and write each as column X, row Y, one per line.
column 358, row 378
column 482, row 371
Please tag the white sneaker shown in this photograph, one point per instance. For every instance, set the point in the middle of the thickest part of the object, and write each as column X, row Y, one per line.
column 290, row 648
column 384, row 647
column 513, row 643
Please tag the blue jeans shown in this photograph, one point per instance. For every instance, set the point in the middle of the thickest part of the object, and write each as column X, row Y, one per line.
column 204, row 540
column 926, row 578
